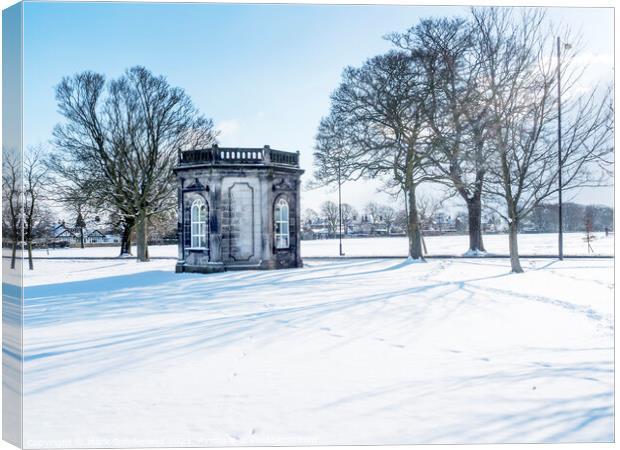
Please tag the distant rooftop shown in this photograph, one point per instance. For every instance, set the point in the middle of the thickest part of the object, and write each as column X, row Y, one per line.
column 228, row 155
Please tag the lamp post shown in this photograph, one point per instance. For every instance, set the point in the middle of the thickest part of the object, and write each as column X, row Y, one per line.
column 560, row 227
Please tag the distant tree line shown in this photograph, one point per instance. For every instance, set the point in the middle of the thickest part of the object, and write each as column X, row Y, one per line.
column 373, row 214
column 469, row 103
column 544, row 217
column 381, row 219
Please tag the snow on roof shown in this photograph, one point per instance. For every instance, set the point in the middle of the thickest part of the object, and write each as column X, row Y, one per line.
column 64, row 232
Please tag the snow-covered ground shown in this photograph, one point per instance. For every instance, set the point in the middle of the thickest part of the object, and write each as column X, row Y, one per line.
column 529, row 244
column 365, row 351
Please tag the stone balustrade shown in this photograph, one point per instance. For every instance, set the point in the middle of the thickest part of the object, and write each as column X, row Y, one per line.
column 225, row 155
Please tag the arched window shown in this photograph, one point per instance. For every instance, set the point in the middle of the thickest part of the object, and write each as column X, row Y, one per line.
column 199, row 224
column 282, row 235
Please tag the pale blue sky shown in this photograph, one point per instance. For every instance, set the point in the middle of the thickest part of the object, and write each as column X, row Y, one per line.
column 264, row 73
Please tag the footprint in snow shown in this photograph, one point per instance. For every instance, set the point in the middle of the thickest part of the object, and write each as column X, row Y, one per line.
column 397, row 345
column 542, row 364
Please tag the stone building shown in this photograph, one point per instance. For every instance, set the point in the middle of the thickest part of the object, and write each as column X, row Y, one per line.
column 238, row 209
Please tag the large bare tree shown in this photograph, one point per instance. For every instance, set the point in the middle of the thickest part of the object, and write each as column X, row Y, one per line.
column 376, row 128
column 457, row 116
column 518, row 76
column 123, row 136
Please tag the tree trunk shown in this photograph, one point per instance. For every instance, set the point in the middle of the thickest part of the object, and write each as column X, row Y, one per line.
column 13, row 254
column 126, row 237
column 30, row 262
column 142, row 237
column 515, row 264
column 413, row 227
column 474, row 215
column 81, row 237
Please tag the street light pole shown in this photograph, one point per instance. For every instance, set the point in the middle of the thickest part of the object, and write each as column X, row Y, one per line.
column 560, row 228
column 340, row 208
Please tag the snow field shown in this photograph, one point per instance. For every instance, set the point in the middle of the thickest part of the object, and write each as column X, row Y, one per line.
column 339, row 352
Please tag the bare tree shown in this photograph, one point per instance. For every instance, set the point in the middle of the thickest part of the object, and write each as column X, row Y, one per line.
column 456, row 114
column 400, row 220
column 35, row 179
column 349, row 213
column 125, row 136
column 10, row 227
column 329, row 213
column 309, row 216
column 163, row 226
column 76, row 183
column 428, row 206
column 376, row 121
column 373, row 209
column 336, row 160
column 123, row 224
column 518, row 76
column 12, row 205
column 86, row 164
column 388, row 215
column 167, row 122
column 76, row 199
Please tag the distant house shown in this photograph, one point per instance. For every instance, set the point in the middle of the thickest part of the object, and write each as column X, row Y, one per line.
column 491, row 224
column 364, row 226
column 94, row 237
column 444, row 223
column 62, row 233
